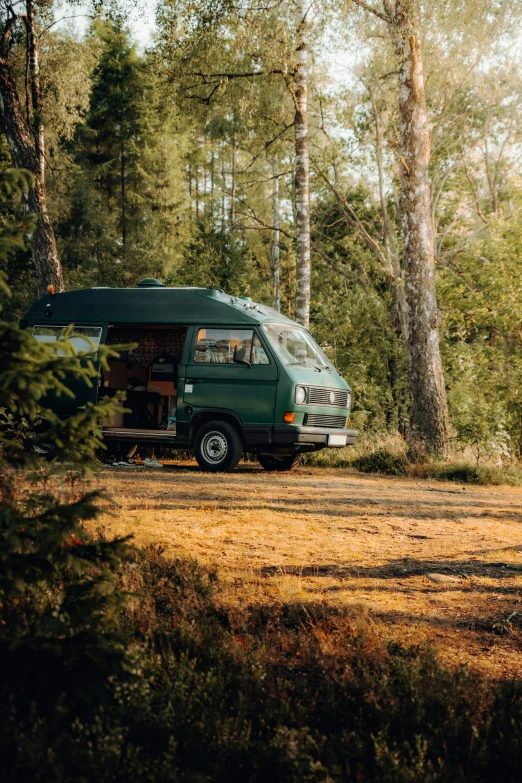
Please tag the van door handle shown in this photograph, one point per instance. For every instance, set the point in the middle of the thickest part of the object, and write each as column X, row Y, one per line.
column 193, row 380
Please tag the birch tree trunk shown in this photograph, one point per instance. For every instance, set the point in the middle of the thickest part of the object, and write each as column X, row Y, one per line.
column 429, row 412
column 223, row 189
column 276, row 261
column 212, row 177
column 302, row 169
column 36, row 92
column 27, row 148
column 233, row 187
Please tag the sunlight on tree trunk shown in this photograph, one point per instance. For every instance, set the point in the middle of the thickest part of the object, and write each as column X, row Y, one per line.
column 276, row 261
column 27, row 147
column 233, row 187
column 429, row 412
column 302, row 170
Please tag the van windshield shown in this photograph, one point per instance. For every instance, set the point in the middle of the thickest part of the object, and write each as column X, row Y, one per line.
column 296, row 347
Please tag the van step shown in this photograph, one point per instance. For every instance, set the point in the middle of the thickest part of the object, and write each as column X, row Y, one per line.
column 137, row 434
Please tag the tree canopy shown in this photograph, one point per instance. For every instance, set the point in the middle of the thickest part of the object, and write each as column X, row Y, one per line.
column 164, row 161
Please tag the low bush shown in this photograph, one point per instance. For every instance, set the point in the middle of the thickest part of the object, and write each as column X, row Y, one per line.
column 467, row 472
column 382, row 461
column 388, row 453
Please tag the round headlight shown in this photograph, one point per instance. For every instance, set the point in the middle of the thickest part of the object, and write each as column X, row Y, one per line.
column 300, row 395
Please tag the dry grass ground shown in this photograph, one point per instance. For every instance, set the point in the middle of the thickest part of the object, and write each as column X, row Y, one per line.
column 423, row 559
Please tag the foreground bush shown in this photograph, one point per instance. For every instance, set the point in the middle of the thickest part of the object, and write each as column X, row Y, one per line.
column 281, row 693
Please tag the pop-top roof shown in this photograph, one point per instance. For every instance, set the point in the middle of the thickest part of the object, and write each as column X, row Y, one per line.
column 150, row 302
column 150, row 282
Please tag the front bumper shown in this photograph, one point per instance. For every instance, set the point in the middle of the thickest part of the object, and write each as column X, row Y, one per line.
column 289, row 434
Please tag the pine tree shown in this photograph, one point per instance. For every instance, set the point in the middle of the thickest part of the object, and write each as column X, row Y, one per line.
column 128, row 199
column 58, row 593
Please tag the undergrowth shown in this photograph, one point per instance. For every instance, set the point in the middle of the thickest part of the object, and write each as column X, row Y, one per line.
column 388, row 453
column 267, row 693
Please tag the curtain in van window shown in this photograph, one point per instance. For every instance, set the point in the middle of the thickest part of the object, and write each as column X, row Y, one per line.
column 151, row 344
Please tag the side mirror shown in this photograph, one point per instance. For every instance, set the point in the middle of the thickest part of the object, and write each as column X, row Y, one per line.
column 242, row 355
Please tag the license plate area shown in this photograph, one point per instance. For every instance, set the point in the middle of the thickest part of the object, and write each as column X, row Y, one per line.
column 337, row 440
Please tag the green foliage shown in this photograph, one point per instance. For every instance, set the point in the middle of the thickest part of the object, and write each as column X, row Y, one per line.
column 351, row 304
column 157, row 168
column 214, row 258
column 33, row 371
column 13, row 230
column 389, row 454
column 482, row 301
column 58, row 592
column 382, row 461
column 125, row 203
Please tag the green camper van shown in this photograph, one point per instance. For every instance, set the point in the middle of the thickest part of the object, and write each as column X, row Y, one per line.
column 211, row 372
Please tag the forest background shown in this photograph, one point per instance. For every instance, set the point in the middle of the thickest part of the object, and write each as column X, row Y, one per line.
column 178, row 160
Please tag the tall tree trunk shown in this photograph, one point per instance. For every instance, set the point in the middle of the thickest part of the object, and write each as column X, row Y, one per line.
column 429, row 412
column 302, row 169
column 276, row 261
column 205, row 178
column 189, row 171
column 36, row 92
column 223, row 189
column 123, row 195
column 196, row 181
column 212, row 177
column 233, row 187
column 28, row 152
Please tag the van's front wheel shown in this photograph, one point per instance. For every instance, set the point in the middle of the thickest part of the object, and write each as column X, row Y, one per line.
column 217, row 447
column 273, row 462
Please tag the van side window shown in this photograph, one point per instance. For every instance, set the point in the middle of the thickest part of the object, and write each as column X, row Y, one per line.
column 85, row 339
column 258, row 352
column 223, row 346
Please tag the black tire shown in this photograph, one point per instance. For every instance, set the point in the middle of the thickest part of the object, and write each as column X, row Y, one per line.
column 274, row 462
column 217, row 447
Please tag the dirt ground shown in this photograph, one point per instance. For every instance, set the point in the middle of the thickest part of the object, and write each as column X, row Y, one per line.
column 423, row 559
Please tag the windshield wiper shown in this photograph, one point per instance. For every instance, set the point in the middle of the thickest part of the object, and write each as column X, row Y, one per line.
column 305, row 362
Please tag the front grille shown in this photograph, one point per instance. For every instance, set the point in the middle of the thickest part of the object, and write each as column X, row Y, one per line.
column 322, row 420
column 338, row 398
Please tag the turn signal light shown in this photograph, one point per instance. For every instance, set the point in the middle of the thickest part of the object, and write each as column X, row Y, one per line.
column 289, row 418
column 51, row 289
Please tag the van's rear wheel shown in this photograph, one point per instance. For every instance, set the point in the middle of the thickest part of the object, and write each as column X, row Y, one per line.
column 273, row 462
column 217, row 447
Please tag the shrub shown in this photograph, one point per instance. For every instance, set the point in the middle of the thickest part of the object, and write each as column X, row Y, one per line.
column 382, row 461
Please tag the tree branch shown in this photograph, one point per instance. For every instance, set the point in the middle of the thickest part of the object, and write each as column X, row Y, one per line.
column 372, row 10
column 336, row 268
column 246, row 75
column 354, row 221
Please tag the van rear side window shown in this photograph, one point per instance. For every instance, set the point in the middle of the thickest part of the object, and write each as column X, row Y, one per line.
column 85, row 339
